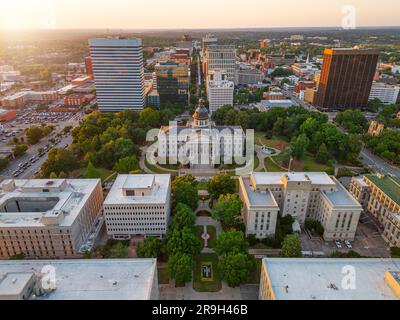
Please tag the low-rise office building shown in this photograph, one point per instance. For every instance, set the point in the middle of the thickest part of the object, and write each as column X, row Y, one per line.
column 49, row 218
column 126, row 279
column 303, row 195
column 330, row 279
column 138, row 205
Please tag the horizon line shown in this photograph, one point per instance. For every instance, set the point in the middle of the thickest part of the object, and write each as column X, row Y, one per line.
column 197, row 28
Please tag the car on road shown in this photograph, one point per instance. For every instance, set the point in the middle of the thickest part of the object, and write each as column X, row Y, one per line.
column 338, row 244
column 348, row 244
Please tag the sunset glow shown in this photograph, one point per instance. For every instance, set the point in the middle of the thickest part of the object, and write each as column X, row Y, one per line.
column 122, row 14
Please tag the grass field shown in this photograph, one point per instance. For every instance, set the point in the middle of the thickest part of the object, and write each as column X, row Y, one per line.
column 158, row 170
column 206, row 286
column 271, row 166
column 274, row 142
column 202, row 185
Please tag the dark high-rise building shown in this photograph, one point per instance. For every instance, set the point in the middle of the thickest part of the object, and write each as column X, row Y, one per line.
column 346, row 78
column 173, row 82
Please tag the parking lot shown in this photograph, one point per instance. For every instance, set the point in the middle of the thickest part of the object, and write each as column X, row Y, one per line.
column 368, row 241
column 28, row 165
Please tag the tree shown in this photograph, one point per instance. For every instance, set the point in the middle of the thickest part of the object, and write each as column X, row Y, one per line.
column 59, row 160
column 34, row 134
column 20, row 150
column 322, row 155
column 150, row 248
column 183, row 217
column 230, row 241
column 227, row 210
column 53, row 175
column 120, row 251
column 127, row 164
column 149, row 118
column 180, row 267
column 291, row 246
column 186, row 193
column 221, row 184
column 4, row 163
column 281, row 72
column 235, row 268
column 183, row 241
column 91, row 172
column 299, row 145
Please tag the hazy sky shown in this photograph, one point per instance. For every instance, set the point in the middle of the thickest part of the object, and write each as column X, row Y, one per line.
column 121, row 14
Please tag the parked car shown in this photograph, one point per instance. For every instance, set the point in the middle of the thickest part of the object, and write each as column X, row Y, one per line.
column 338, row 244
column 348, row 244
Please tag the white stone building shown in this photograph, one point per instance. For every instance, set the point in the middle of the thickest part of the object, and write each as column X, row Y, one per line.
column 381, row 196
column 200, row 143
column 386, row 93
column 50, row 218
column 220, row 90
column 138, row 205
column 303, row 195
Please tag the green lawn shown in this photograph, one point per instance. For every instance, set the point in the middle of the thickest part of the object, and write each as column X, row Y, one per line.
column 206, row 286
column 274, row 142
column 271, row 166
column 202, row 185
column 163, row 276
column 158, row 170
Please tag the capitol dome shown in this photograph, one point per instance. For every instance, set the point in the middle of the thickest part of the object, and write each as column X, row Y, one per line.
column 201, row 112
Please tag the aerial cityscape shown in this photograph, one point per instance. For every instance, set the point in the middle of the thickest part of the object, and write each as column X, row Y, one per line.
column 221, row 157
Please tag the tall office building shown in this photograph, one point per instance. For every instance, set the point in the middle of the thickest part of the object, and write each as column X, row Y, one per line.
column 221, row 57
column 118, row 73
column 220, row 90
column 346, row 78
column 173, row 82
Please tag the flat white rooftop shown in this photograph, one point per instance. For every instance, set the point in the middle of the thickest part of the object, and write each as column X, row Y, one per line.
column 69, row 200
column 341, row 197
column 256, row 198
column 126, row 279
column 158, row 195
column 321, row 279
column 275, row 178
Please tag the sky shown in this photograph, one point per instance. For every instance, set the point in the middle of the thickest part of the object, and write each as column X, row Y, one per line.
column 191, row 14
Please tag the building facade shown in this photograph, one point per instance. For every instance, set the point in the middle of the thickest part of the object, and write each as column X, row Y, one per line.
column 48, row 218
column 220, row 90
column 383, row 194
column 220, row 57
column 346, row 79
column 387, row 94
column 173, row 81
column 138, row 205
column 309, row 195
column 118, row 73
